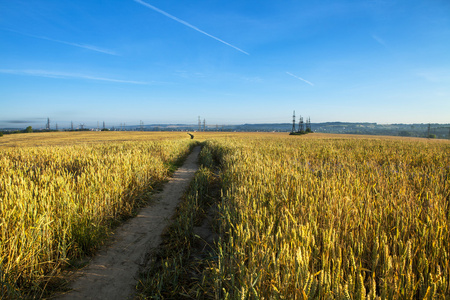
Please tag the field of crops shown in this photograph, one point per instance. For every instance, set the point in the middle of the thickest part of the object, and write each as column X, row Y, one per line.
column 59, row 203
column 333, row 219
column 300, row 217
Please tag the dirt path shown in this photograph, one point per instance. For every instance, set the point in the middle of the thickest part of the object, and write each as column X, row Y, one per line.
column 112, row 273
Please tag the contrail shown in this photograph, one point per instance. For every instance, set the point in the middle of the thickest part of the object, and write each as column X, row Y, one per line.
column 187, row 24
column 64, row 75
column 88, row 47
column 379, row 40
column 84, row 46
column 310, row 83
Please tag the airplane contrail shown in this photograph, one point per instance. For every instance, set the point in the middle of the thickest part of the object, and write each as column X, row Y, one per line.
column 84, row 46
column 187, row 24
column 65, row 75
column 308, row 82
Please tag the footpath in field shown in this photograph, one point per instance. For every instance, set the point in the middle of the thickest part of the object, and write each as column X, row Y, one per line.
column 112, row 273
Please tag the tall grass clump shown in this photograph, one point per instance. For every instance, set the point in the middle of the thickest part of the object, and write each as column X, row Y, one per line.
column 59, row 203
column 333, row 219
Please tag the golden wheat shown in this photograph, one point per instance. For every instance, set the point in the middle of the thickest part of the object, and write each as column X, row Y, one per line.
column 333, row 218
column 59, row 203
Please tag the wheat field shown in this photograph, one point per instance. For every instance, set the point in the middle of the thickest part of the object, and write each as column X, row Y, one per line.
column 311, row 217
column 59, row 203
column 348, row 218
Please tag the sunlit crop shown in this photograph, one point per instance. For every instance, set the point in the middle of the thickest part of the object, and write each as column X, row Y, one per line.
column 311, row 217
column 59, row 203
column 333, row 219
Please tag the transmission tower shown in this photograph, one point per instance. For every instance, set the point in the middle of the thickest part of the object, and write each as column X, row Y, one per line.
column 308, row 124
column 204, row 125
column 199, row 124
column 142, row 125
column 48, row 124
column 56, row 126
column 293, row 122
column 301, row 125
column 71, row 125
column 104, row 127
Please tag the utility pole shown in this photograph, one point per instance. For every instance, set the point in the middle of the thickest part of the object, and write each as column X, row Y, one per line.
column 293, row 122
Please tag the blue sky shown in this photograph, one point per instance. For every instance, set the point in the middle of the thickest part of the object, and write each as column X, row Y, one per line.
column 228, row 62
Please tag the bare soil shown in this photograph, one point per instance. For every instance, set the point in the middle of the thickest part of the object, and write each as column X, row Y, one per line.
column 113, row 272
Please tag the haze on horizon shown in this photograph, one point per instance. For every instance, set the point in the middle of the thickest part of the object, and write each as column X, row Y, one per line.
column 230, row 62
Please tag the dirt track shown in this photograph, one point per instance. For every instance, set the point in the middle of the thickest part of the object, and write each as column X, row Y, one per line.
column 112, row 273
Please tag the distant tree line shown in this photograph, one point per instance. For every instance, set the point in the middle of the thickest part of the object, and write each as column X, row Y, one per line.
column 29, row 129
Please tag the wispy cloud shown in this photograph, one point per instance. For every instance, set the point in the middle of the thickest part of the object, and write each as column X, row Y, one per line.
column 84, row 46
column 379, row 40
column 255, row 79
column 308, row 82
column 65, row 75
column 434, row 75
column 19, row 121
column 187, row 24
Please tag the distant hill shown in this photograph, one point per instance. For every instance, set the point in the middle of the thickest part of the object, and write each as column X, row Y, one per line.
column 414, row 130
column 441, row 131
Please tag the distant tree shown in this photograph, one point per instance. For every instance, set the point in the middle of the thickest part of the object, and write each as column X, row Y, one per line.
column 29, row 129
column 431, row 136
column 105, row 129
column 1, row 133
column 404, row 133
